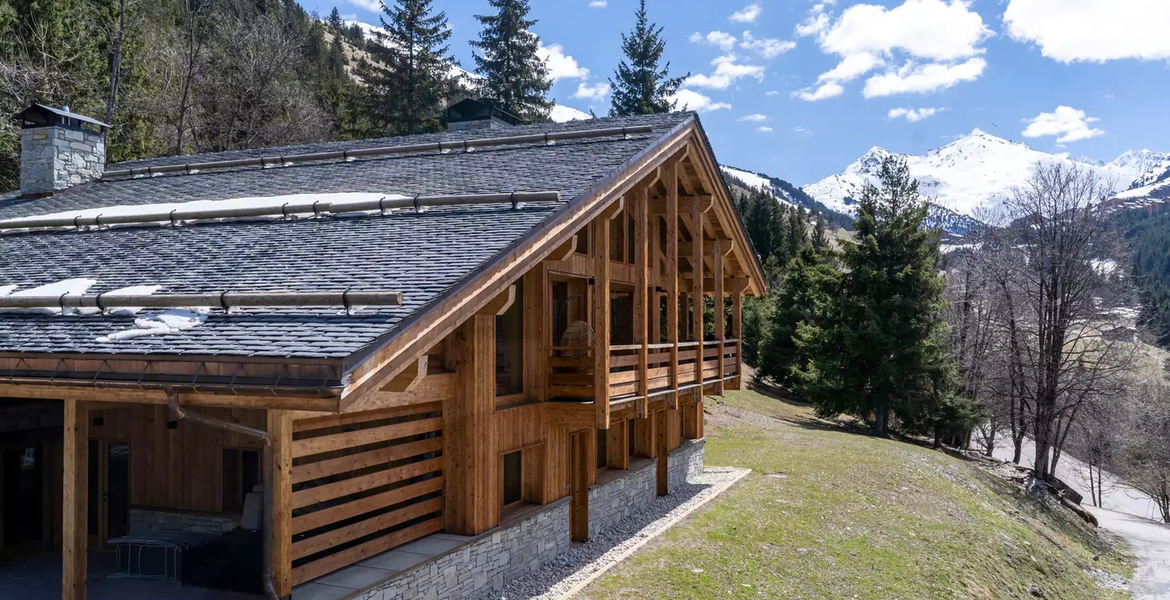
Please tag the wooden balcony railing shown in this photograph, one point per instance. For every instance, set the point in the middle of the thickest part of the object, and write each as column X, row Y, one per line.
column 571, row 369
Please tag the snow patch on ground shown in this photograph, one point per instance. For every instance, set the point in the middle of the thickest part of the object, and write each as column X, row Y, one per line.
column 171, row 321
column 72, row 287
column 1103, row 266
column 273, row 202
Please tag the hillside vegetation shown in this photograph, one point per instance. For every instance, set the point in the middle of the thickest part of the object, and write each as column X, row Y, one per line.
column 828, row 513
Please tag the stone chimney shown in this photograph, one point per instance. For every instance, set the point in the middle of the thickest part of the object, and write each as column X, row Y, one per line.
column 59, row 149
column 477, row 114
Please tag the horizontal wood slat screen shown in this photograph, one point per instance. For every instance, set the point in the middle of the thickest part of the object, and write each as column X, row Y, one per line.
column 363, row 484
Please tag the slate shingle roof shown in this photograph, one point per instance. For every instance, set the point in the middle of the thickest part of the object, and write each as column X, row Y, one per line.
column 422, row 255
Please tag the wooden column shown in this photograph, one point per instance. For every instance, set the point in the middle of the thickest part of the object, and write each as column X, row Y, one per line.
column 639, row 204
column 662, row 453
column 644, row 440
column 670, row 179
column 280, row 430
column 737, row 333
column 697, row 274
column 655, row 316
column 537, row 320
column 74, row 498
column 720, row 326
column 579, row 486
column 617, row 447
column 470, row 469
column 601, row 316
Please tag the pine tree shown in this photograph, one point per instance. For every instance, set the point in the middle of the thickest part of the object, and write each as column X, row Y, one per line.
column 515, row 78
column 799, row 298
column 640, row 87
column 410, row 75
column 873, row 351
column 819, row 239
column 335, row 22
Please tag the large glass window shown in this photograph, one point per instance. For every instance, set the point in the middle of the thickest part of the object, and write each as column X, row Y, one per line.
column 510, row 347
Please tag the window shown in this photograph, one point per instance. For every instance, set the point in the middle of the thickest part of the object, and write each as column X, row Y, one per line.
column 617, row 238
column 631, row 445
column 583, row 240
column 241, row 473
column 513, row 479
column 621, row 317
column 510, row 347
column 630, row 242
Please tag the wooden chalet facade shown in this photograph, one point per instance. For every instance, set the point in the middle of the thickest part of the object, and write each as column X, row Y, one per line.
column 566, row 338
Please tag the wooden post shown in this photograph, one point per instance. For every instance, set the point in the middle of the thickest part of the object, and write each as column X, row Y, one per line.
column 662, row 452
column 617, row 447
column 720, row 326
column 697, row 283
column 737, row 333
column 579, row 486
column 639, row 205
column 280, row 430
column 644, row 437
column 74, row 498
column 601, row 316
column 537, row 320
column 469, row 456
column 670, row 179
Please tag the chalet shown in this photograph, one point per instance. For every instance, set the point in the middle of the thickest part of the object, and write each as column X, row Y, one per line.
column 413, row 366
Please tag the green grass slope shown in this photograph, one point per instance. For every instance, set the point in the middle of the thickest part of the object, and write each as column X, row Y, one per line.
column 831, row 514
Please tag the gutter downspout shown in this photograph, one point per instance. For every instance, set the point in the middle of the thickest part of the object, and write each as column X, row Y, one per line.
column 269, row 463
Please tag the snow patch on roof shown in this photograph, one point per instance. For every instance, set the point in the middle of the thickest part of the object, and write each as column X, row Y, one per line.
column 172, row 321
column 75, row 286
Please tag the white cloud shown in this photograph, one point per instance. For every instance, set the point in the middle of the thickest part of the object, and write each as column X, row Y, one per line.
column 772, row 93
column 828, row 90
column 941, row 42
column 913, row 115
column 370, row 5
column 747, row 14
column 692, row 100
column 768, row 48
column 802, row 130
column 1092, row 30
column 755, row 118
column 592, row 92
column 725, row 41
column 921, row 79
column 926, row 29
column 1068, row 123
column 851, row 67
column 598, row 4
column 560, row 65
column 727, row 71
column 763, row 129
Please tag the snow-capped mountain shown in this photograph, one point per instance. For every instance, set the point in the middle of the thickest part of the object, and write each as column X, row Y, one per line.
column 973, row 173
column 1152, row 186
column 782, row 191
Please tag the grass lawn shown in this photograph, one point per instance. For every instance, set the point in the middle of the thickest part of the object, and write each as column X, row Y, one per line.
column 831, row 514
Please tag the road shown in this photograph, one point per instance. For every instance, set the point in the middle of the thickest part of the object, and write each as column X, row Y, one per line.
column 1126, row 513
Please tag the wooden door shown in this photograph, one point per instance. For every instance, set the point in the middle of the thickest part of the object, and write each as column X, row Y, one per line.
column 109, row 492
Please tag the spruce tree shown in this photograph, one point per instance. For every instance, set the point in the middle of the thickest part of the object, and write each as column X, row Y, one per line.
column 410, row 76
column 515, row 78
column 640, row 87
column 799, row 298
column 819, row 239
column 873, row 350
column 335, row 22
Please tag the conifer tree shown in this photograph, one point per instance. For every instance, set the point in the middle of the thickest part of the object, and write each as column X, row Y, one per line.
column 819, row 239
column 411, row 74
column 640, row 86
column 873, row 351
column 515, row 78
column 335, row 21
column 800, row 297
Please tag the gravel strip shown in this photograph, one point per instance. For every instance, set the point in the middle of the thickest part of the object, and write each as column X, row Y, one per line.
column 559, row 576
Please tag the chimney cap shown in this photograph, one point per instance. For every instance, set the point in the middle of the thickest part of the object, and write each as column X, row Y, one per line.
column 482, row 109
column 39, row 115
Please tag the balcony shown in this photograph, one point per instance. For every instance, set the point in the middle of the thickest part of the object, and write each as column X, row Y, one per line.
column 571, row 369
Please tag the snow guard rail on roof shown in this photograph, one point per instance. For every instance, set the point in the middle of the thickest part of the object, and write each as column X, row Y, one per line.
column 440, row 147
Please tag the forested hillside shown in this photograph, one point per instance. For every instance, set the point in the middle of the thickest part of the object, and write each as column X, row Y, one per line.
column 1149, row 241
column 175, row 76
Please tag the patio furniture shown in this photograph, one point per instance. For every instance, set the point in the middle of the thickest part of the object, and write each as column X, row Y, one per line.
column 157, row 554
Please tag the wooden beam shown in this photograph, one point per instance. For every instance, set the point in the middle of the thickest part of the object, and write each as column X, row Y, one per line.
column 688, row 249
column 579, row 485
column 138, row 396
column 564, row 251
column 74, row 500
column 720, row 326
column 697, row 276
column 729, row 283
column 662, row 453
column 640, row 200
column 601, row 317
column 611, row 211
column 737, row 333
column 280, row 429
column 537, row 320
column 686, row 204
column 470, row 459
column 501, row 303
column 671, row 180
column 409, row 378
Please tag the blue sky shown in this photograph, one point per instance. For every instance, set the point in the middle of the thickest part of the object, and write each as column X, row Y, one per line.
column 800, row 88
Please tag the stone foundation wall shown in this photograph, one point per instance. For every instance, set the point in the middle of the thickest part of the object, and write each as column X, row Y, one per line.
column 482, row 567
column 143, row 520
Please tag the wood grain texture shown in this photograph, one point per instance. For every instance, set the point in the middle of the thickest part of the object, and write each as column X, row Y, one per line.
column 75, row 498
column 280, row 431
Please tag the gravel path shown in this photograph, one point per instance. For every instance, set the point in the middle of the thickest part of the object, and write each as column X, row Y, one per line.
column 559, row 577
column 1150, row 542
